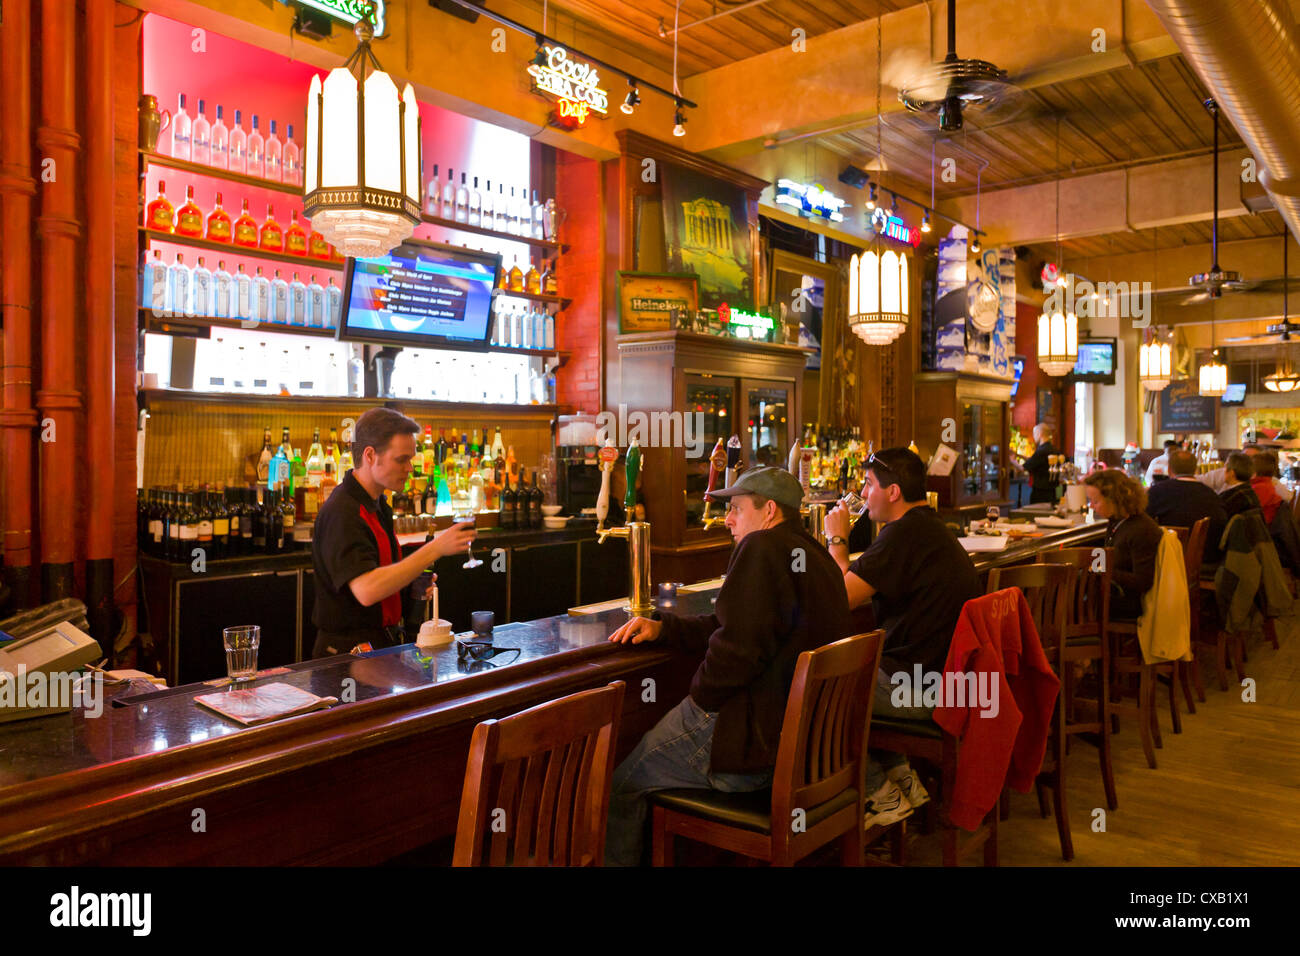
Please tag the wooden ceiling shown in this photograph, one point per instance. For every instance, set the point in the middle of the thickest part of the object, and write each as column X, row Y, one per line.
column 709, row 36
column 1231, row 229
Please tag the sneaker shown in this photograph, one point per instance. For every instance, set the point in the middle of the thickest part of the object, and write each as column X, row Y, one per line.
column 910, row 784
column 887, row 805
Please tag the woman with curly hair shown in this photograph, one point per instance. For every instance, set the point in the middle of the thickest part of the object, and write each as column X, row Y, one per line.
column 1133, row 534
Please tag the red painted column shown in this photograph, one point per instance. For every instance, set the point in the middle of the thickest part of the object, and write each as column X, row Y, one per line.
column 17, row 186
column 58, row 228
column 578, row 186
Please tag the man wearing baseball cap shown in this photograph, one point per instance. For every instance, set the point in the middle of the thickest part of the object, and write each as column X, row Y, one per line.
column 783, row 595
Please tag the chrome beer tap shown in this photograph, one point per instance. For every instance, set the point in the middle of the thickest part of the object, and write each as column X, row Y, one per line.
column 636, row 532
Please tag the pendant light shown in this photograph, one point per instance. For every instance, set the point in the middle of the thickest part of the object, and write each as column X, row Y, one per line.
column 1058, row 330
column 1284, row 379
column 1214, row 374
column 878, row 306
column 1154, row 359
column 362, row 186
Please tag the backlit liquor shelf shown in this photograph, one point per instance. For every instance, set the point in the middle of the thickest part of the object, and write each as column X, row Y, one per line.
column 230, row 249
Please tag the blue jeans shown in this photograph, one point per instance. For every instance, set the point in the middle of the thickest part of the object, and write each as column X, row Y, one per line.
column 674, row 753
column 880, row 761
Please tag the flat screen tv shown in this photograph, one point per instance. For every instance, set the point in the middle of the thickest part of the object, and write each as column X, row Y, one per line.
column 1096, row 362
column 1235, row 395
column 1018, row 365
column 422, row 294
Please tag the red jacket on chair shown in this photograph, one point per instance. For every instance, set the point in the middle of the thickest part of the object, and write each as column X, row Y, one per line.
column 996, row 636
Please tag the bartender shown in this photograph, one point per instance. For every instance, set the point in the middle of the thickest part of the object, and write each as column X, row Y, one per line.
column 1038, row 467
column 361, row 576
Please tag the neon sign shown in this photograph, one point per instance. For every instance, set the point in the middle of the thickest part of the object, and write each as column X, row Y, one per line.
column 573, row 84
column 350, row 11
column 893, row 227
column 811, row 200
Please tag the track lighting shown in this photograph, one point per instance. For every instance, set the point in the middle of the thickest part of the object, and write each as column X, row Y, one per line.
column 871, row 200
column 975, row 245
column 925, row 223
column 679, row 122
column 539, row 58
column 633, row 99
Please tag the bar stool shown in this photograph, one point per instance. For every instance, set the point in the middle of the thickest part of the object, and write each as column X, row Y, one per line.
column 817, row 785
column 1087, row 641
column 548, row 771
column 1047, row 589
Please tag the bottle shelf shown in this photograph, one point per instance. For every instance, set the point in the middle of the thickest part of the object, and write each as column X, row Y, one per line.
column 154, row 158
column 230, row 249
column 561, row 301
column 505, row 412
column 550, row 245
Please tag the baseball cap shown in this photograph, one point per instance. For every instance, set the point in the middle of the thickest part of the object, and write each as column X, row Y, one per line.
column 775, row 483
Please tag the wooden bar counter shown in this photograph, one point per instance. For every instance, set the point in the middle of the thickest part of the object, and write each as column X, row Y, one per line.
column 159, row 780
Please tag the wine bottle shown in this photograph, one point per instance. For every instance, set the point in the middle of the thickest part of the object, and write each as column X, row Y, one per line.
column 523, row 503
column 535, row 493
column 509, row 505
column 247, row 513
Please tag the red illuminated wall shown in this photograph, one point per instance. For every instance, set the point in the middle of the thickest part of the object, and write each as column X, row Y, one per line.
column 578, row 181
column 1024, row 409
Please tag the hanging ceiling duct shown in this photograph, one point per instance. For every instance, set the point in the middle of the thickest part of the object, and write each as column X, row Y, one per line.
column 1248, row 55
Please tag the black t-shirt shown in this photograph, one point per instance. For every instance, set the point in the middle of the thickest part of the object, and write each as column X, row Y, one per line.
column 922, row 576
column 347, row 543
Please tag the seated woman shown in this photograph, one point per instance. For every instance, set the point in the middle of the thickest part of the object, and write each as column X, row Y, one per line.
column 1263, row 484
column 1237, row 494
column 1134, row 535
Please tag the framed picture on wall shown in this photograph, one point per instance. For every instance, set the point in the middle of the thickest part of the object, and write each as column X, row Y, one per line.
column 1047, row 407
column 707, row 231
column 647, row 300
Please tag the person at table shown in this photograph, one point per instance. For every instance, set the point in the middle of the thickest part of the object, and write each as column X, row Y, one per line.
column 1238, row 495
column 782, row 595
column 361, row 576
column 1183, row 501
column 917, row 576
column 1039, row 468
column 1263, row 482
column 1158, row 469
column 1132, row 533
column 1218, row 478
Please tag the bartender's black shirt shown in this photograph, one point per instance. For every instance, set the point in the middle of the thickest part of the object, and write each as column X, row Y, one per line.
column 345, row 546
column 922, row 576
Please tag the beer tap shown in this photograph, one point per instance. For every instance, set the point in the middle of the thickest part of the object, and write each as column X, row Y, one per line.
column 733, row 460
column 637, row 533
column 608, row 455
column 717, row 465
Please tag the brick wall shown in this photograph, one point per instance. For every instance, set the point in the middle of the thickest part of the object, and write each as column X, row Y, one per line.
column 578, row 188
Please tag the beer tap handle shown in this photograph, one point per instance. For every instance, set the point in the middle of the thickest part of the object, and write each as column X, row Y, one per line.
column 608, row 456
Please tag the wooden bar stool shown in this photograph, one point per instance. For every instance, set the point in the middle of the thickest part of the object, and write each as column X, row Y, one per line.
column 1047, row 589
column 1193, row 540
column 816, row 794
column 539, row 782
column 1087, row 641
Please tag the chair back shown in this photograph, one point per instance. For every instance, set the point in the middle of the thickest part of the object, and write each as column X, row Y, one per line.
column 538, row 782
column 1048, row 589
column 827, row 720
column 1089, row 602
column 1194, row 552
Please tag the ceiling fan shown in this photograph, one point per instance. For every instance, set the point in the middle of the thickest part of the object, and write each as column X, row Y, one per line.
column 949, row 88
column 1286, row 328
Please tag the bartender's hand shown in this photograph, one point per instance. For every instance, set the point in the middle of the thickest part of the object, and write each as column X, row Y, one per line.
column 837, row 521
column 639, row 630
column 453, row 540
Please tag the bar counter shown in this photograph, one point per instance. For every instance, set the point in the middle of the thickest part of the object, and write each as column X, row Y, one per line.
column 159, row 780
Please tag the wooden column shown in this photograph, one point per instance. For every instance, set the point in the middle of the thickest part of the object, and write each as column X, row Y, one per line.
column 57, row 149
column 17, row 186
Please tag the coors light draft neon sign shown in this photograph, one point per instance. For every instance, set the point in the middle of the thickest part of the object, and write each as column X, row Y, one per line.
column 574, row 85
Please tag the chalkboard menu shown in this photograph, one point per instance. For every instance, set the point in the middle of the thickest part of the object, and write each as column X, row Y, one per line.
column 1182, row 409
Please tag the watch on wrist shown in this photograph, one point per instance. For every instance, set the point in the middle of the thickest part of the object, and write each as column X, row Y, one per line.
column 836, row 539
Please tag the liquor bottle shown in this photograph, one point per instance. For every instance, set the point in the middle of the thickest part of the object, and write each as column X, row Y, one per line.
column 523, row 503
column 238, row 145
column 203, row 521
column 501, row 216
column 533, row 280
column 477, row 491
column 539, row 218
column 298, row 470
column 512, row 214
column 333, row 305
column 245, row 229
column 539, row 329
column 429, row 505
column 200, row 290
column 220, row 142
column 306, row 502
column 256, row 152
column 328, row 481
column 525, row 328
column 275, row 521
column 156, row 526
column 261, row 297
column 292, row 160
column 274, row 156
column 515, row 278
column 295, row 237
column 524, row 213
column 189, row 218
column 201, row 138
column 517, row 329
column 181, row 130
column 462, row 200
column 171, row 527
column 317, row 247
column 243, row 295
column 315, row 316
column 536, row 496
column 440, row 450
column 498, row 448
column 332, row 452
column 297, row 302
column 447, row 209
column 271, row 237
column 509, row 505
column 258, row 522
column 550, row 282
column 158, row 214
column 222, row 291
column 153, row 285
column 512, row 466
column 548, row 332
column 219, row 227
column 315, row 460
column 475, row 214
column 486, row 217
column 288, row 514
column 433, row 198
column 178, row 277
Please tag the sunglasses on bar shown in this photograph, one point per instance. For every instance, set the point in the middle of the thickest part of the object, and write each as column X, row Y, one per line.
column 481, row 650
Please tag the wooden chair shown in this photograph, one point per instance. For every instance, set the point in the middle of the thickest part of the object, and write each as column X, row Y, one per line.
column 1047, row 589
column 1087, row 642
column 539, row 783
column 1193, row 540
column 817, row 785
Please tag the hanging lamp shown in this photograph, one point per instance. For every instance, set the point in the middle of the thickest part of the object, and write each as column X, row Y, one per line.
column 362, row 184
column 1214, row 374
column 1155, row 370
column 1058, row 329
column 1284, row 379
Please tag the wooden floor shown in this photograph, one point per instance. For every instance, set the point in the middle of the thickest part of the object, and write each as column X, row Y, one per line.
column 1226, row 792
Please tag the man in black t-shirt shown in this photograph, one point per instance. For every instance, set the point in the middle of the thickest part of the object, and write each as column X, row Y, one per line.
column 917, row 577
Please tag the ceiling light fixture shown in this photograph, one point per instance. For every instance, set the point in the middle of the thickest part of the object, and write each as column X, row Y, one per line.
column 679, row 123
column 1058, row 328
column 871, row 200
column 925, row 223
column 633, row 99
column 1213, row 374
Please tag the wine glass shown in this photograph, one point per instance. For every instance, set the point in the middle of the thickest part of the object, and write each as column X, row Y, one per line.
column 463, row 513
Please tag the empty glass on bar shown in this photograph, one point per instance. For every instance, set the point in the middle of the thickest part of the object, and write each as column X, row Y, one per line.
column 241, row 651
